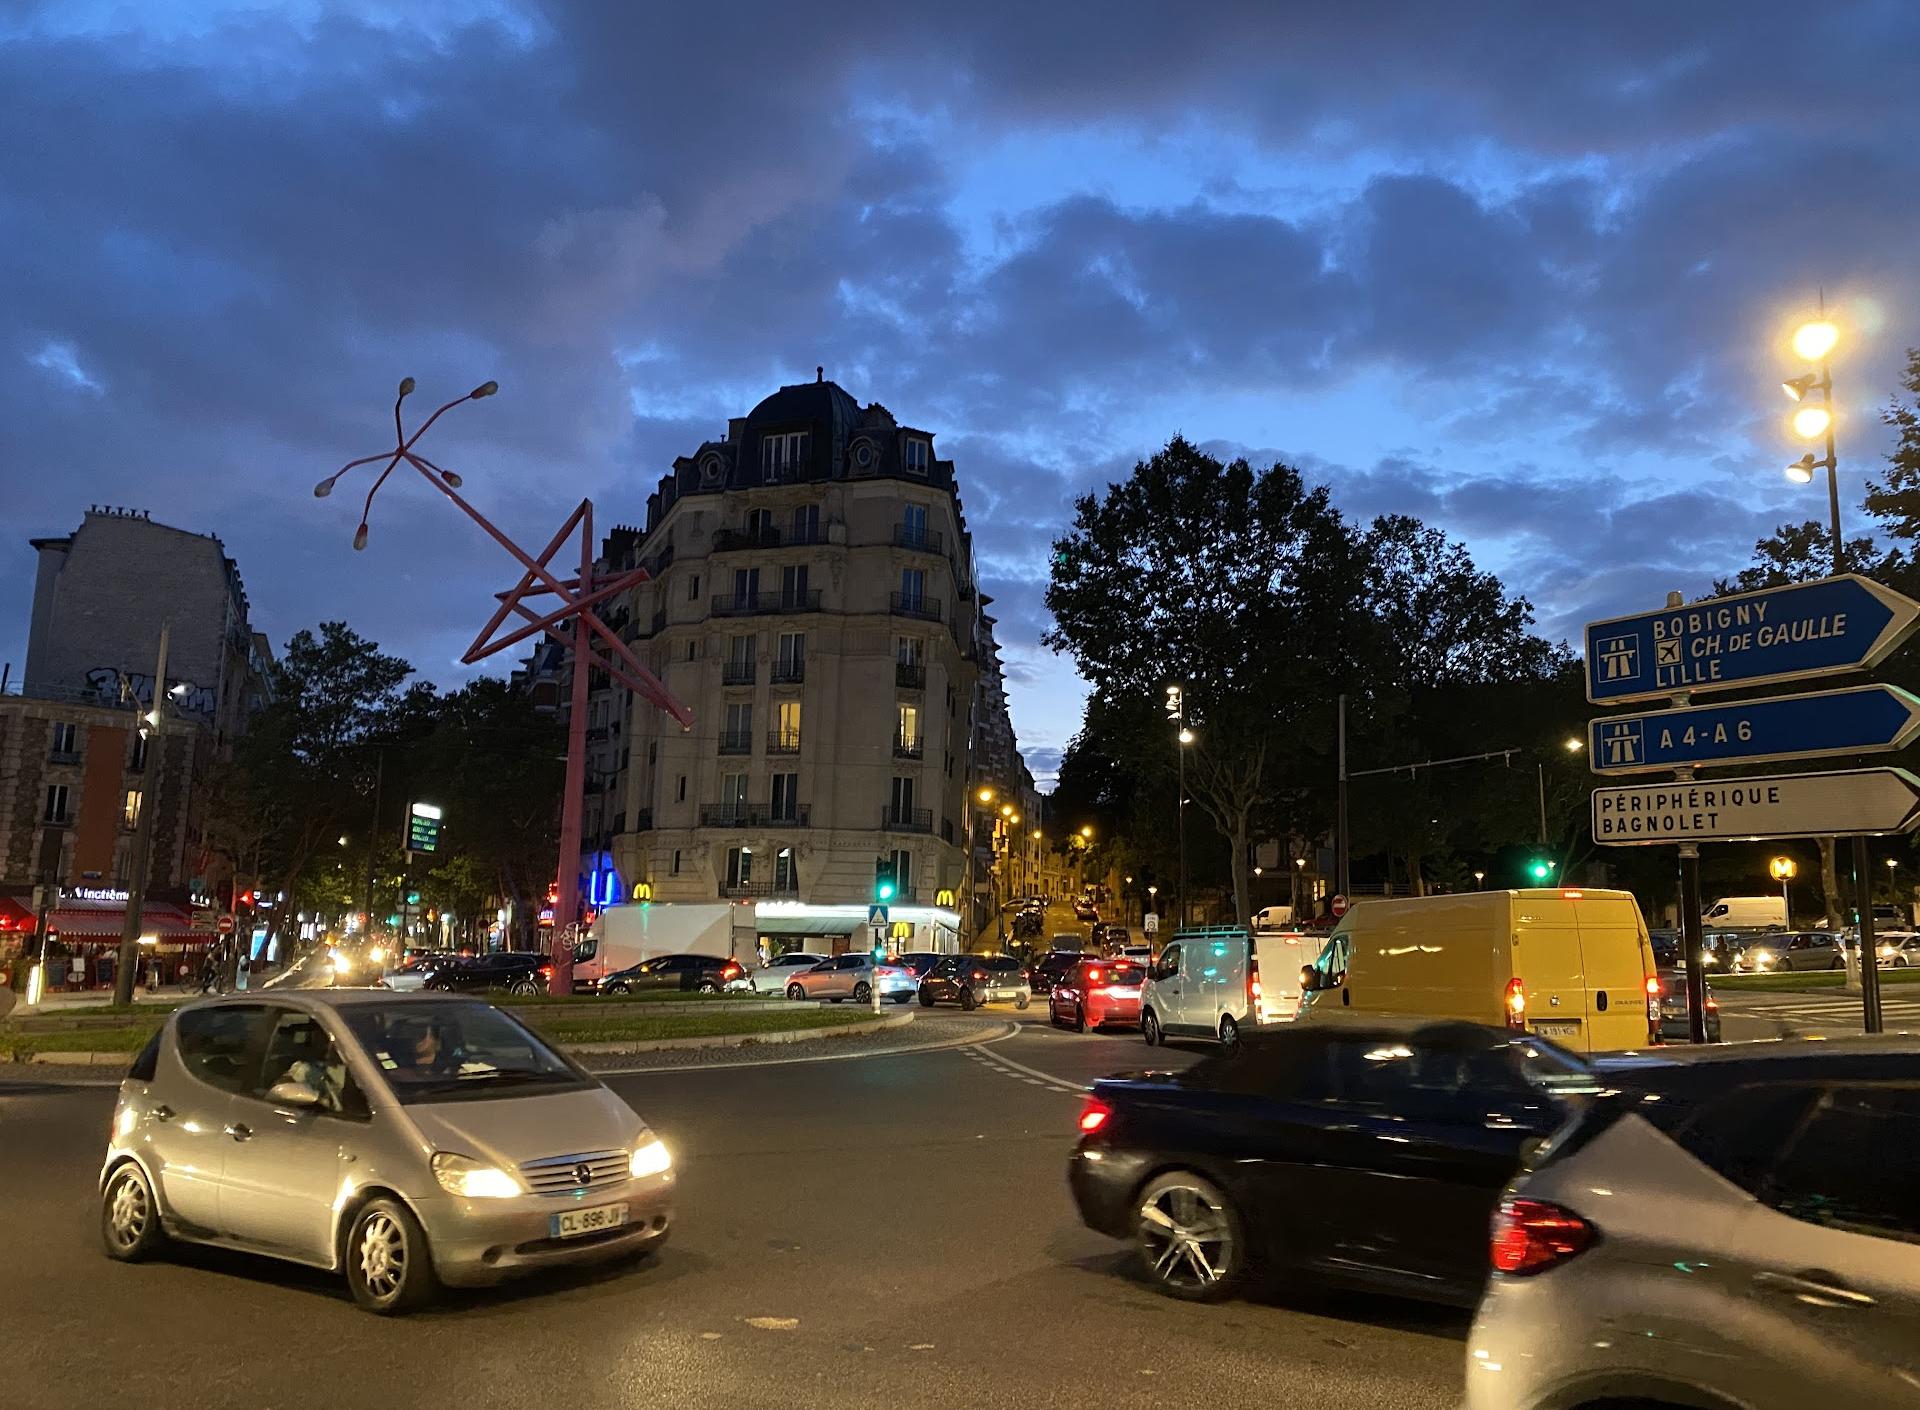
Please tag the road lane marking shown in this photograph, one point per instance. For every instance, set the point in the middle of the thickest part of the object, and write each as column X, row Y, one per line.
column 1031, row 1074
column 966, row 1044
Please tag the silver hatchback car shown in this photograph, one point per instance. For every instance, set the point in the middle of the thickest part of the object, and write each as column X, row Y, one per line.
column 407, row 1141
column 1730, row 1227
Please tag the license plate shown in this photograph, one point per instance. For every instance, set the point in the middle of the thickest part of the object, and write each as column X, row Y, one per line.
column 1557, row 1030
column 572, row 1223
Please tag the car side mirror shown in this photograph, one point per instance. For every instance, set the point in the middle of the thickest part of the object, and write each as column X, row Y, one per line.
column 1309, row 979
column 288, row 1092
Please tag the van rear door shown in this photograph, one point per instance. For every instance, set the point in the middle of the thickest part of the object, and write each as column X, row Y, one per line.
column 1281, row 957
column 1618, row 960
column 1546, row 961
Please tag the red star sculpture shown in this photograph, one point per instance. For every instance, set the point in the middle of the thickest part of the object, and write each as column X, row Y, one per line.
column 573, row 622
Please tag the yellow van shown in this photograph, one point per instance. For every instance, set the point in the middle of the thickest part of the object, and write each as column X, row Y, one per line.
column 1570, row 964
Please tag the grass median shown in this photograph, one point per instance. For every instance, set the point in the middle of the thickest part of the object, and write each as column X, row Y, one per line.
column 588, row 1023
column 1803, row 981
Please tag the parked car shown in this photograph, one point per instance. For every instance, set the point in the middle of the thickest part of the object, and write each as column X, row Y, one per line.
column 1367, row 1154
column 689, row 974
column 1726, row 1227
column 406, row 1141
column 1051, row 968
column 1805, row 949
column 972, row 980
column 772, row 977
column 852, row 976
column 1573, row 965
column 516, row 971
column 1096, row 992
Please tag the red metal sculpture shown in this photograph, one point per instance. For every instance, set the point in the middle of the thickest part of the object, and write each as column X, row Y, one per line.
column 573, row 622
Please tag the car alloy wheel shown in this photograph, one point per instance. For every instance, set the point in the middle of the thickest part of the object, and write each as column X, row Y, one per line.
column 707, row 986
column 863, row 993
column 129, row 1219
column 388, row 1266
column 616, row 989
column 1188, row 1237
column 1229, row 1030
column 524, row 987
column 1079, row 1018
column 967, row 1001
column 1838, row 963
column 1150, row 1028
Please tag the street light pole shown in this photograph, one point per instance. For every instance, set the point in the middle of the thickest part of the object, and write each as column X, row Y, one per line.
column 141, row 859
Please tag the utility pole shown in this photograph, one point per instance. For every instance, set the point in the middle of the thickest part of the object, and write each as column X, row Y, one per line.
column 1177, row 711
column 154, row 727
column 1340, row 814
column 1540, row 773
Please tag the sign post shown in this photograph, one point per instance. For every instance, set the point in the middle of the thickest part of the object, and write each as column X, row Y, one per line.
column 1798, row 632
column 423, row 827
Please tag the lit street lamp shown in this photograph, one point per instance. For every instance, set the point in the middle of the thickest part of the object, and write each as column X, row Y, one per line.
column 1479, row 880
column 1177, row 712
column 1814, row 342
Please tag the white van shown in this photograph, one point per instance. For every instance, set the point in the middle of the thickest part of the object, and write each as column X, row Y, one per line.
column 1212, row 981
column 1746, row 913
column 1272, row 918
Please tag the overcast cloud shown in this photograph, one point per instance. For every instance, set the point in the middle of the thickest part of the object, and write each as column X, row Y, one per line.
column 1523, row 271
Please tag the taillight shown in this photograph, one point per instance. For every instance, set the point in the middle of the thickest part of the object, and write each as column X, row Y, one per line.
column 1713, row 1004
column 1653, row 986
column 1516, row 1003
column 1253, row 986
column 1531, row 1236
column 1093, row 976
column 731, row 971
column 546, row 969
column 1094, row 1115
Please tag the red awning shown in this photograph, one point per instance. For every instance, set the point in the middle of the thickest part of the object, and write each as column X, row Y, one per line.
column 15, row 919
column 103, row 920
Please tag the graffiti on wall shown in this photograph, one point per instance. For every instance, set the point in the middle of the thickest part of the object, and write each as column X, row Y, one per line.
column 104, row 681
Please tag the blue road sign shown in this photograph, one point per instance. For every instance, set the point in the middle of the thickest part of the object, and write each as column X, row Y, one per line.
column 1864, row 719
column 876, row 915
column 1752, row 638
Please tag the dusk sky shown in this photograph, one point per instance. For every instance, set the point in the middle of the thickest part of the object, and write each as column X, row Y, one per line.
column 1521, row 270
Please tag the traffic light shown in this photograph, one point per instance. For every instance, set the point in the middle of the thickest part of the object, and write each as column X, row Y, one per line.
column 1540, row 869
column 883, row 882
column 413, row 898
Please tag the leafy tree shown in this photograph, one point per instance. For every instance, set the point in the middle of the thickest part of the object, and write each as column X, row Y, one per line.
column 1244, row 586
column 1894, row 499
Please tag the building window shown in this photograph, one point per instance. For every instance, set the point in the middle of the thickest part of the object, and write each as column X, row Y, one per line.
column 946, row 824
column 791, row 662
column 138, row 761
column 902, row 797
column 786, row 724
column 66, row 739
column 739, row 867
column 683, row 788
column 806, row 523
column 733, row 792
column 760, row 526
column 653, row 752
column 56, row 803
column 913, row 589
column 739, row 665
column 676, row 861
column 690, row 650
column 736, row 735
column 903, row 874
column 782, row 456
column 746, row 587
column 783, row 797
column 785, row 876
column 918, row 453
column 913, row 524
column 793, row 585
column 693, row 588
column 906, row 730
column 130, row 814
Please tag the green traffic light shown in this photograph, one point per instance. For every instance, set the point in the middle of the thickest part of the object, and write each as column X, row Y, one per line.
column 1540, row 870
column 884, row 891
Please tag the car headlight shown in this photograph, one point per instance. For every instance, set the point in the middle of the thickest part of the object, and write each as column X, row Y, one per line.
column 1762, row 957
column 650, row 1158
column 463, row 1175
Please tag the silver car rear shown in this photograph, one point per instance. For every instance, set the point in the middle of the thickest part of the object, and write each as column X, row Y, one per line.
column 1746, row 1242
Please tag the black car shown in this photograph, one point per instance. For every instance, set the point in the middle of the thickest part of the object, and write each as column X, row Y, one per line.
column 1051, row 968
column 689, row 974
column 972, row 980
column 1370, row 1156
column 518, row 972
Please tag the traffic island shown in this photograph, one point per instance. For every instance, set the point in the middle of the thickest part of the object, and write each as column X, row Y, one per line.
column 588, row 1029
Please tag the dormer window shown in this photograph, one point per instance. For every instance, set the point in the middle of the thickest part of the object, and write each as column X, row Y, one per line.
column 918, row 453
column 782, row 456
column 710, row 472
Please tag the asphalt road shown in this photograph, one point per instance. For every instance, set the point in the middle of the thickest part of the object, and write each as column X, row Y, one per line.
column 908, row 1213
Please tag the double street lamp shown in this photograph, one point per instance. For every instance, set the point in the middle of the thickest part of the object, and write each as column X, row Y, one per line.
column 1177, row 713
column 1814, row 342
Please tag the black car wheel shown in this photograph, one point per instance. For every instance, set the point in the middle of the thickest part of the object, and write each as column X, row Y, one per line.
column 129, row 1216
column 903, row 998
column 926, row 999
column 524, row 987
column 1022, row 999
column 707, row 986
column 863, row 993
column 1150, row 1028
column 1839, row 962
column 1229, row 1030
column 967, row 1001
column 619, row 986
column 1079, row 1018
column 1189, row 1237
column 389, row 1267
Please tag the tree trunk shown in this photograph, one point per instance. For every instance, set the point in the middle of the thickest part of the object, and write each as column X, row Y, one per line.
column 1416, row 884
column 1829, row 884
column 1242, row 907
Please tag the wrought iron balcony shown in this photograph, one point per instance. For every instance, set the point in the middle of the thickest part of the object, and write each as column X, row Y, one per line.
column 894, row 819
column 903, row 604
column 921, row 540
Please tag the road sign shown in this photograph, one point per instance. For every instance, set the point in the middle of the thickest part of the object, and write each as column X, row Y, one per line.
column 1751, row 638
column 1151, row 923
column 1851, row 803
column 876, row 915
column 226, row 924
column 205, row 922
column 1862, row 719
column 1337, row 906
column 423, row 827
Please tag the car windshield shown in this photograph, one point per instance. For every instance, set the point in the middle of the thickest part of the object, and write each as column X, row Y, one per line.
column 434, row 1051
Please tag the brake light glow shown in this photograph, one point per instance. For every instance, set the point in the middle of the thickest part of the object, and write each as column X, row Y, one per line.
column 731, row 971
column 1653, row 986
column 1574, row 895
column 1093, row 1116
column 1516, row 1003
column 1093, row 976
column 1531, row 1236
